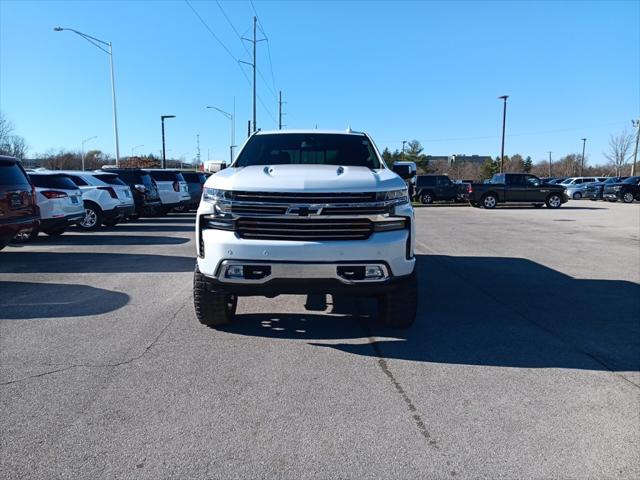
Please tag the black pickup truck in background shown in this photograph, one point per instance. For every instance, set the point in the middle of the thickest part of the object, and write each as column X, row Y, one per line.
column 516, row 188
column 432, row 188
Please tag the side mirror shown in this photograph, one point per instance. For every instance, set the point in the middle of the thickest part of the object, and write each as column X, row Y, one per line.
column 405, row 170
column 223, row 166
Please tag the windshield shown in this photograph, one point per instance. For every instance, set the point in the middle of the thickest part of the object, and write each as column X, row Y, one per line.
column 309, row 149
column 631, row 180
column 567, row 181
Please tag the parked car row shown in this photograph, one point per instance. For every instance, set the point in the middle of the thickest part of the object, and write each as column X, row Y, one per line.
column 51, row 201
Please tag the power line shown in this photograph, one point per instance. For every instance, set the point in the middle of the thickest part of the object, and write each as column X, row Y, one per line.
column 273, row 78
column 226, row 49
column 235, row 30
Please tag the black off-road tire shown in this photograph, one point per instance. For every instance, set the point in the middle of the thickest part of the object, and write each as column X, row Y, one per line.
column 398, row 309
column 213, row 308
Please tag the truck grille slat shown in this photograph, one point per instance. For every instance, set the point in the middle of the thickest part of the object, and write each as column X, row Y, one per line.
column 304, row 229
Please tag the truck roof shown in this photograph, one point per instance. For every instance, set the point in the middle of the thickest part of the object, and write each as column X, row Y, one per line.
column 310, row 131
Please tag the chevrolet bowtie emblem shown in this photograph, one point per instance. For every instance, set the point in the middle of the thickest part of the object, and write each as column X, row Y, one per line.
column 304, row 210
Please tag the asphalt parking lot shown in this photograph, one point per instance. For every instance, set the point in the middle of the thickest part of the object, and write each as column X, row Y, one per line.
column 524, row 361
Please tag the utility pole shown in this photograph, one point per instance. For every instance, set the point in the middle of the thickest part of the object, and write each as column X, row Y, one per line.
column 549, row 164
column 164, row 153
column 198, row 149
column 504, row 123
column 403, row 144
column 280, row 110
column 584, row 143
column 635, row 123
column 253, row 65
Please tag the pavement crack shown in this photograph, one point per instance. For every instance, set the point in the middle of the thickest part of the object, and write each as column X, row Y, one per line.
column 384, row 366
column 105, row 365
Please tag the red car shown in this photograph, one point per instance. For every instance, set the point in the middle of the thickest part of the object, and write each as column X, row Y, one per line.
column 18, row 210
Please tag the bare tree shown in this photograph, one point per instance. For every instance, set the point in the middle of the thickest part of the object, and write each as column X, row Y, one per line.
column 6, row 128
column 12, row 145
column 619, row 150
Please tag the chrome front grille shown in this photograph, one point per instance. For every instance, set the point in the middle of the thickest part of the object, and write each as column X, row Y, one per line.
column 303, row 197
column 304, row 228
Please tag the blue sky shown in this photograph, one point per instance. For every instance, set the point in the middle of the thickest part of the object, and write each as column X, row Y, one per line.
column 399, row 70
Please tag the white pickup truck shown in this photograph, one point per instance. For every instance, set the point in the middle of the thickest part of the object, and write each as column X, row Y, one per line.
column 302, row 212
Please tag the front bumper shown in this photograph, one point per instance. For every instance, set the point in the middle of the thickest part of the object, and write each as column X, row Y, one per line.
column 388, row 248
column 610, row 196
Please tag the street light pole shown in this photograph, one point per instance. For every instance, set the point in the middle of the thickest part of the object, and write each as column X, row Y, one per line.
column 83, row 142
column 230, row 116
column 164, row 152
column 133, row 148
column 504, row 123
column 635, row 123
column 584, row 143
column 98, row 43
column 403, row 144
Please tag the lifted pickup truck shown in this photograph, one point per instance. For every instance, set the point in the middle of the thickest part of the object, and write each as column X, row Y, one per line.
column 516, row 188
column 305, row 212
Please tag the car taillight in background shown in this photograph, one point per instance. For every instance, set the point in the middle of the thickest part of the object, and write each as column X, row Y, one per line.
column 54, row 194
column 111, row 191
column 176, row 186
column 469, row 188
column 140, row 188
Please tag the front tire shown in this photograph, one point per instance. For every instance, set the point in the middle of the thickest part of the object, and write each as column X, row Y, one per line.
column 489, row 201
column 398, row 309
column 213, row 308
column 577, row 196
column 627, row 197
column 554, row 201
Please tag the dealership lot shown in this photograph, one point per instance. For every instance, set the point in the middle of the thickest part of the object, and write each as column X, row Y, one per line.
column 524, row 361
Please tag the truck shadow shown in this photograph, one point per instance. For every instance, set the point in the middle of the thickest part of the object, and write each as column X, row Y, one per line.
column 486, row 311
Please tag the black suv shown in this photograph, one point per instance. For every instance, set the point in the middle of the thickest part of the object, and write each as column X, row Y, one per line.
column 143, row 188
column 431, row 188
column 628, row 190
column 195, row 181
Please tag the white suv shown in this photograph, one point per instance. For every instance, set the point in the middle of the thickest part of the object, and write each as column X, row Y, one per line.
column 107, row 199
column 306, row 212
column 59, row 201
column 172, row 188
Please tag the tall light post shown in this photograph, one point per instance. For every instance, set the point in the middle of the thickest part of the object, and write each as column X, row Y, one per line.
column 584, row 143
column 133, row 149
column 230, row 116
column 99, row 43
column 504, row 124
column 549, row 164
column 83, row 142
column 404, row 142
column 636, row 124
column 164, row 152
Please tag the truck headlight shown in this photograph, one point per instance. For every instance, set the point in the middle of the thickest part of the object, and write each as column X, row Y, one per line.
column 617, row 188
column 395, row 197
column 212, row 195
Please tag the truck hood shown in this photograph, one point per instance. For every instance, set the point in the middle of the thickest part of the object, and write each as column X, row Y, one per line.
column 305, row 178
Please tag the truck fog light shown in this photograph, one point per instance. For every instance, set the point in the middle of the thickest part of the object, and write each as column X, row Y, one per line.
column 373, row 271
column 235, row 271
